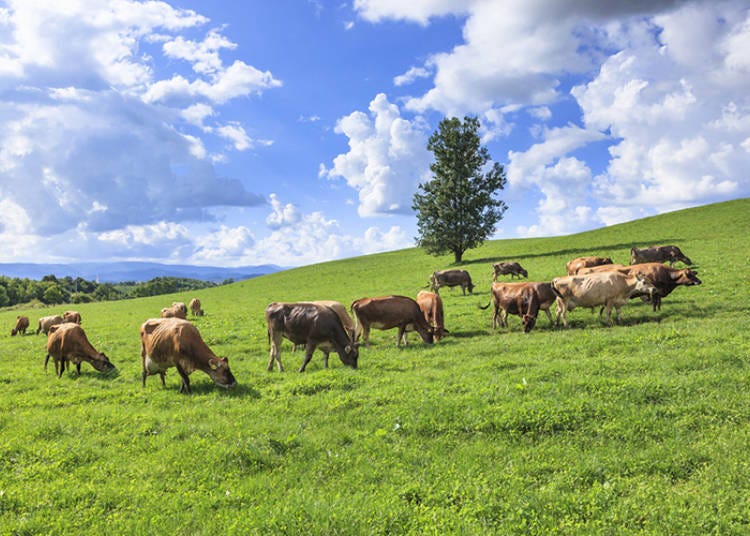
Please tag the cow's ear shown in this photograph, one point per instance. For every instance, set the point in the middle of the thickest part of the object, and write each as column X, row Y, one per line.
column 52, row 329
column 213, row 363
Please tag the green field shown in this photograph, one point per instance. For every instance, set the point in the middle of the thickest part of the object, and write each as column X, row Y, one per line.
column 638, row 428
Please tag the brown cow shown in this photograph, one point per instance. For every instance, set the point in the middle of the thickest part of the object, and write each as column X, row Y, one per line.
column 431, row 306
column 610, row 289
column 72, row 316
column 522, row 299
column 175, row 311
column 174, row 342
column 451, row 278
column 505, row 268
column 669, row 254
column 312, row 324
column 664, row 278
column 388, row 312
column 346, row 321
column 22, row 323
column 68, row 342
column 574, row 266
column 47, row 322
column 195, row 307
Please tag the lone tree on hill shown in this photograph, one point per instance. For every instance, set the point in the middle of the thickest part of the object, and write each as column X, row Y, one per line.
column 457, row 209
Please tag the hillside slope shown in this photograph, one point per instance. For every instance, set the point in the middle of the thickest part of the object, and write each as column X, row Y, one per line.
column 636, row 428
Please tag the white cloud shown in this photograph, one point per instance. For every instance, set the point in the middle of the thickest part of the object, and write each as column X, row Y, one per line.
column 414, row 10
column 204, row 55
column 410, row 76
column 387, row 157
column 282, row 215
column 236, row 134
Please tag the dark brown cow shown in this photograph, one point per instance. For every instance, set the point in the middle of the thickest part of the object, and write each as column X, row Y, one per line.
column 72, row 316
column 522, row 299
column 388, row 312
column 669, row 254
column 68, row 342
column 174, row 342
column 451, row 278
column 312, row 324
column 505, row 268
column 22, row 324
column 664, row 279
column 47, row 322
column 574, row 266
column 608, row 289
column 431, row 305
column 346, row 321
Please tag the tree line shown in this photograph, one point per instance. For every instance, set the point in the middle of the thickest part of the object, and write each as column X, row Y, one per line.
column 52, row 290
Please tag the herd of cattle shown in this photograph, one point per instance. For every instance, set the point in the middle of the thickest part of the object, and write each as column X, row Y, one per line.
column 173, row 341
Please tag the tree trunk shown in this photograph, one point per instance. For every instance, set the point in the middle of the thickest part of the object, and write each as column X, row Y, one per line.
column 457, row 255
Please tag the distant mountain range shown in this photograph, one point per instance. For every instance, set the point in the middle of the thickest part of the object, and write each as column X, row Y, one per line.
column 117, row 272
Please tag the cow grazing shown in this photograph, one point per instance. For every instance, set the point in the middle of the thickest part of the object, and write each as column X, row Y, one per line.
column 173, row 312
column 505, row 268
column 451, row 278
column 346, row 321
column 605, row 268
column 312, row 324
column 175, row 342
column 22, row 324
column 195, row 307
column 72, row 316
column 431, row 306
column 669, row 254
column 67, row 342
column 576, row 265
column 47, row 322
column 608, row 289
column 522, row 299
column 388, row 312
column 664, row 279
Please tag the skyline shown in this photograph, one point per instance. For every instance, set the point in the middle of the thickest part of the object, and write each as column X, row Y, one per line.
column 295, row 132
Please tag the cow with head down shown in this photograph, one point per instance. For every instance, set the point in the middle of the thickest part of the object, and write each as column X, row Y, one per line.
column 431, row 305
column 312, row 324
column 175, row 342
column 450, row 279
column 195, row 307
column 670, row 254
column 575, row 266
column 607, row 289
column 22, row 324
column 522, row 299
column 72, row 316
column 388, row 312
column 67, row 342
column 47, row 322
column 174, row 311
column 505, row 268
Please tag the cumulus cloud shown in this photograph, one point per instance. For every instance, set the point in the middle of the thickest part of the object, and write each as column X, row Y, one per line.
column 387, row 157
column 283, row 214
column 89, row 128
column 662, row 83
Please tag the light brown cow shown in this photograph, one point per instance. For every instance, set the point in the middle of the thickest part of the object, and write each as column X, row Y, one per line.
column 450, row 279
column 67, row 342
column 175, row 342
column 47, row 322
column 72, row 316
column 313, row 324
column 505, row 268
column 522, row 299
column 431, row 305
column 173, row 312
column 609, row 289
column 22, row 324
column 182, row 307
column 574, row 266
column 388, row 312
column 669, row 254
column 195, row 307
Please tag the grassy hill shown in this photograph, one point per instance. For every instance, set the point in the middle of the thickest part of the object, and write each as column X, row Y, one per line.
column 642, row 427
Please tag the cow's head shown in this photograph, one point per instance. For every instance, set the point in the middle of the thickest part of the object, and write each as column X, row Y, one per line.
column 218, row 370
column 13, row 332
column 350, row 355
column 528, row 323
column 687, row 277
column 643, row 286
column 102, row 363
column 524, row 273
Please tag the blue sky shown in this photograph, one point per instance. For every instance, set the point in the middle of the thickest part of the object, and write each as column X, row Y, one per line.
column 294, row 131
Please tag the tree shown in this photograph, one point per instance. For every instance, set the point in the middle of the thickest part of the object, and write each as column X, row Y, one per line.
column 457, row 209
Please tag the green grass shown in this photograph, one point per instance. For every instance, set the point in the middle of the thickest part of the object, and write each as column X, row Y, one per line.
column 638, row 428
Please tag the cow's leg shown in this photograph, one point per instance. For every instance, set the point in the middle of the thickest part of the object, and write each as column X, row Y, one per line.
column 163, row 376
column 366, row 334
column 549, row 315
column 401, row 335
column 562, row 311
column 309, row 349
column 275, row 351
column 78, row 369
column 185, row 385
column 46, row 360
column 325, row 358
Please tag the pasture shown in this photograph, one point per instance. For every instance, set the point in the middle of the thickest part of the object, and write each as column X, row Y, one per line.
column 637, row 428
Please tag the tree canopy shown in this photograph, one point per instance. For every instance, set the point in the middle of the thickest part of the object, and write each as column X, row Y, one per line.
column 457, row 209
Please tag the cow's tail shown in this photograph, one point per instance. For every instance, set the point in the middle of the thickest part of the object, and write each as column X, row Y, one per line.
column 485, row 306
